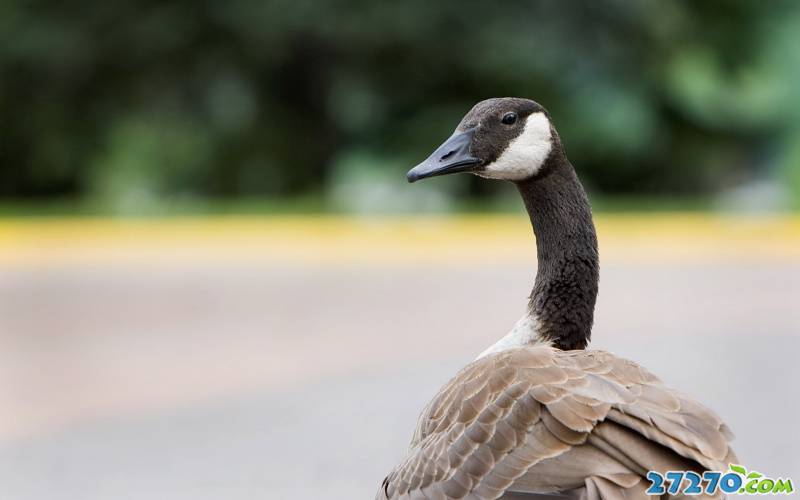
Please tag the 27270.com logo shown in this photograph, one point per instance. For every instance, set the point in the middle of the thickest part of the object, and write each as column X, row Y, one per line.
column 736, row 480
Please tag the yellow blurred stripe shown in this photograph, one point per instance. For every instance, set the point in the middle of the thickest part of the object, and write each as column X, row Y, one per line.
column 436, row 239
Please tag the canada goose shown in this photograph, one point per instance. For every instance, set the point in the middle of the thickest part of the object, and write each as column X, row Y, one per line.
column 535, row 414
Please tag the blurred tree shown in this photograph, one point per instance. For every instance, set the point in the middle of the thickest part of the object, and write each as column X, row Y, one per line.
column 142, row 100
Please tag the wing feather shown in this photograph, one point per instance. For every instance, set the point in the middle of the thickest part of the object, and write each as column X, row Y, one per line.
column 503, row 421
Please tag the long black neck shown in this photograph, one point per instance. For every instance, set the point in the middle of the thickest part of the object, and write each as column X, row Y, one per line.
column 565, row 291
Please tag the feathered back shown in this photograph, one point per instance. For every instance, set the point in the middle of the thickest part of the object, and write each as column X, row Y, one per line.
column 514, row 420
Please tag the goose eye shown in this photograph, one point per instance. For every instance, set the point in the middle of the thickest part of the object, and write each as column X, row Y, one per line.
column 509, row 118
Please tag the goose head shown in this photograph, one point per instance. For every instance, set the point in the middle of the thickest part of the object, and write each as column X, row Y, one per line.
column 514, row 140
column 505, row 138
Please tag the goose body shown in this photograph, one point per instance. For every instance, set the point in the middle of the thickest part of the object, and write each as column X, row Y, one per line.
column 537, row 415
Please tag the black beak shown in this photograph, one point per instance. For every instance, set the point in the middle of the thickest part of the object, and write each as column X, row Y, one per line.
column 451, row 157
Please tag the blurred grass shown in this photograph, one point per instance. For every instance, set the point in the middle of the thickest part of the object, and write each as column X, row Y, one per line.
column 65, row 207
column 319, row 204
column 145, row 107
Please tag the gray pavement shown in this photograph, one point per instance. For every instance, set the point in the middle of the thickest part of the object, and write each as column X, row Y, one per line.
column 225, row 380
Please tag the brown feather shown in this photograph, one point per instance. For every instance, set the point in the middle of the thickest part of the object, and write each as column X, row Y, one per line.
column 502, row 423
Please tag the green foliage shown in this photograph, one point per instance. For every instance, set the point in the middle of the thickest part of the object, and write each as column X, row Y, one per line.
column 138, row 104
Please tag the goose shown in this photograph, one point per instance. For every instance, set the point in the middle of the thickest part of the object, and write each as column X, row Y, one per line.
column 537, row 415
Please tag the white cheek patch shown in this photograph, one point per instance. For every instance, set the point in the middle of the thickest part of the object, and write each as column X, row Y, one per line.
column 526, row 154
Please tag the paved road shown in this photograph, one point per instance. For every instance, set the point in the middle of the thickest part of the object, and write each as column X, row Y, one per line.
column 224, row 380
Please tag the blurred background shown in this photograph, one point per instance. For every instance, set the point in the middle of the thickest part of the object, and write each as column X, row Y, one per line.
column 216, row 283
